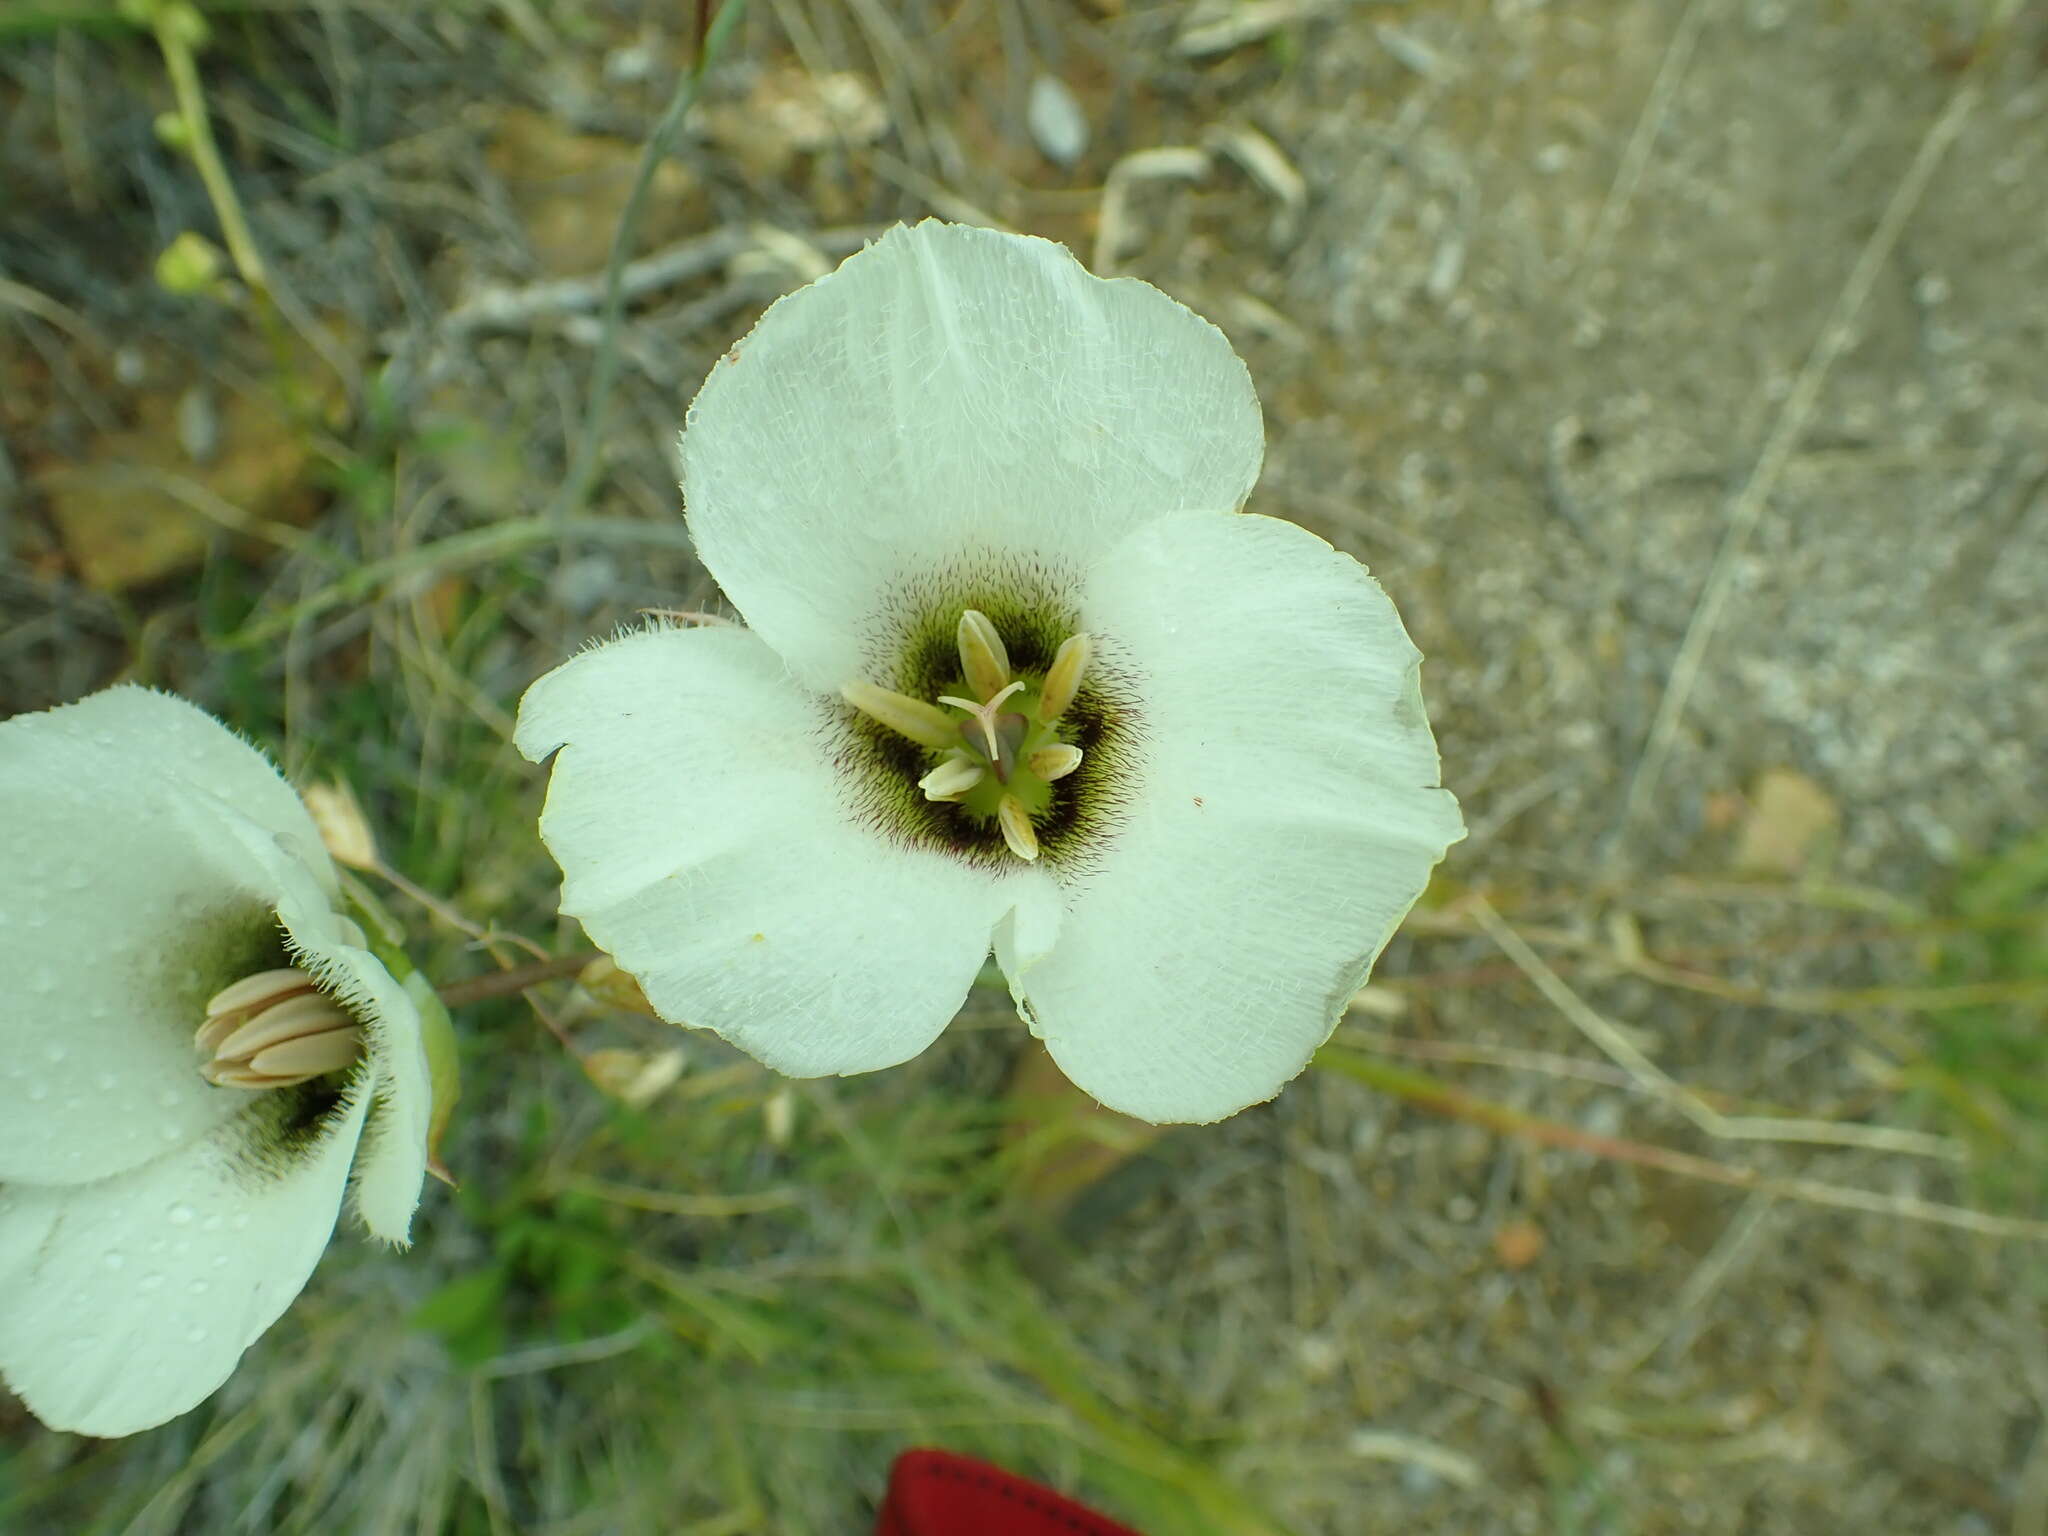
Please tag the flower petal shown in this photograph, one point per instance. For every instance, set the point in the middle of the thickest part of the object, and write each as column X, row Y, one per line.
column 710, row 848
column 392, row 1164
column 131, row 1299
column 126, row 905
column 162, row 735
column 951, row 397
column 1280, row 821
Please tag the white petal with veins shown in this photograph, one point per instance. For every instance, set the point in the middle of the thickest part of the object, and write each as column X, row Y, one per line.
column 96, row 1009
column 131, row 1299
column 951, row 397
column 1284, row 819
column 187, row 746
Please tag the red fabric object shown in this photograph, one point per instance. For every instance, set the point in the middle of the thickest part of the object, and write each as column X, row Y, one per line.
column 935, row 1493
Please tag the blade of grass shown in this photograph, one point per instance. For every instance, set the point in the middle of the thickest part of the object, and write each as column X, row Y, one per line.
column 1427, row 1093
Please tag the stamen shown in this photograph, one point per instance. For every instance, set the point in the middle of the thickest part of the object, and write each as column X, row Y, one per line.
column 1063, row 681
column 306, row 1014
column 984, row 660
column 265, row 987
column 274, row 1029
column 1054, row 760
column 1016, row 825
column 951, row 779
column 308, row 1056
column 925, row 724
column 234, row 1005
column 984, row 715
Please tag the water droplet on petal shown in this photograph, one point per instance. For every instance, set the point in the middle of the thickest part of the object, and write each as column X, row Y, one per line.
column 195, row 1335
column 181, row 1215
column 200, row 1287
column 151, row 1282
column 116, row 1260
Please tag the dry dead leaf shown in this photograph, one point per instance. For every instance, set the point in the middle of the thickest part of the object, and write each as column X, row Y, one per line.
column 603, row 980
column 569, row 189
column 338, row 815
column 137, row 509
column 1518, row 1244
column 1788, row 814
column 1079, row 1143
column 790, row 112
column 634, row 1078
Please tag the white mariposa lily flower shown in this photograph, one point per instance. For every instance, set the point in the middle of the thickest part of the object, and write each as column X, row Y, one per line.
column 1019, row 674
column 196, row 1055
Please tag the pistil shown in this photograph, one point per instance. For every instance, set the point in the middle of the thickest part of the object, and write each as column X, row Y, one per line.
column 986, row 717
column 275, row 1029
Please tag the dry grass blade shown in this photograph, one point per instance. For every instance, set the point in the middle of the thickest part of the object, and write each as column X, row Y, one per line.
column 1429, row 1094
column 1659, row 1084
column 1651, row 120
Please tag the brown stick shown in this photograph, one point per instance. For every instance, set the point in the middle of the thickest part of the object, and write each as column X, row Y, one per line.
column 518, row 978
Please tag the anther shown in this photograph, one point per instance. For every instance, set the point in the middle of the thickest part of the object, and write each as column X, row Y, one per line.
column 1063, row 680
column 984, row 660
column 1054, row 760
column 259, row 990
column 1015, row 822
column 951, row 779
column 273, row 1029
column 925, row 724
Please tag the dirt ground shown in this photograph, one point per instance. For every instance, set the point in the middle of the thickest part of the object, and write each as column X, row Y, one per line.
column 1679, row 366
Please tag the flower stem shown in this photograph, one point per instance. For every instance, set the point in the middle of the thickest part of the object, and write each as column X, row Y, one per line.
column 604, row 371
column 515, row 979
column 177, row 25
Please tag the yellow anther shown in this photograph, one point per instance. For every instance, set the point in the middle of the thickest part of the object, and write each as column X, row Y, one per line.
column 984, row 660
column 1063, row 681
column 1016, row 824
column 1054, row 760
column 926, row 724
column 951, row 779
